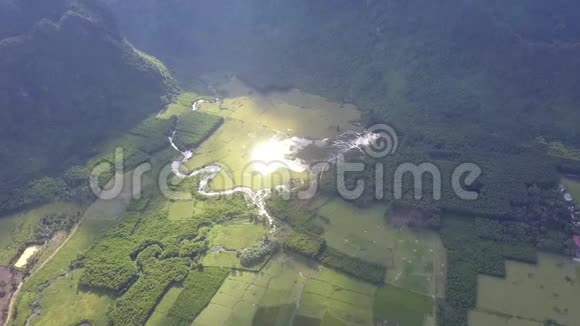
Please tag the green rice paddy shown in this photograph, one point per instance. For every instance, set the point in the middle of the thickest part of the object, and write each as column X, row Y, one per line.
column 236, row 235
column 415, row 260
column 530, row 294
column 293, row 291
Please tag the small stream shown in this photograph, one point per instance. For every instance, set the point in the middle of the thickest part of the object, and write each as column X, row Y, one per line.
column 292, row 145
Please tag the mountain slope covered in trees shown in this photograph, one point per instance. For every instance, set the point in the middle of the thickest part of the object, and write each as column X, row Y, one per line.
column 69, row 80
column 497, row 69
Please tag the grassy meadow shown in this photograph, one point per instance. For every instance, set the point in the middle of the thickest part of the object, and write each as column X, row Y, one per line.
column 236, row 235
column 67, row 305
column 18, row 229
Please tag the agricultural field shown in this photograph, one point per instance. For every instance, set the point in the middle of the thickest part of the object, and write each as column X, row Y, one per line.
column 252, row 118
column 415, row 260
column 265, row 298
column 478, row 318
column 171, row 257
column 530, row 294
column 88, row 231
column 291, row 290
column 330, row 295
column 274, row 296
column 394, row 304
column 159, row 316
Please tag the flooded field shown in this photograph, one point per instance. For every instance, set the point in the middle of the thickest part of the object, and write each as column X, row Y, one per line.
column 253, row 120
column 530, row 295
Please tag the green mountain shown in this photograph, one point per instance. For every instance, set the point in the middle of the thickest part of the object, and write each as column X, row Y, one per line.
column 69, row 81
column 490, row 68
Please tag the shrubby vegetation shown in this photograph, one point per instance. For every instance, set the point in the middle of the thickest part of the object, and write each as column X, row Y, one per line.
column 145, row 253
column 108, row 266
column 257, row 253
column 294, row 214
column 53, row 223
column 306, row 244
column 365, row 270
column 193, row 248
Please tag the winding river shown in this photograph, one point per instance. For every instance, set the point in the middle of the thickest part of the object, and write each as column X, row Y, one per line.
column 337, row 146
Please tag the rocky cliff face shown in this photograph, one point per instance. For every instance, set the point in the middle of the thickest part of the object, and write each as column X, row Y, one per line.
column 69, row 80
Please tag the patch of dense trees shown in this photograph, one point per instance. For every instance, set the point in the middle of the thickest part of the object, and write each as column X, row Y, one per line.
column 135, row 306
column 257, row 253
column 294, row 212
column 500, row 189
column 53, row 223
column 359, row 268
column 305, row 243
column 198, row 290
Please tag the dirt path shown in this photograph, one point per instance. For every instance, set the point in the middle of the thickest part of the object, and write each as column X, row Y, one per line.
column 14, row 298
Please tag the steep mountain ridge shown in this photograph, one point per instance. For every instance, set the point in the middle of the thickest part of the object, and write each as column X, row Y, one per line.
column 69, row 81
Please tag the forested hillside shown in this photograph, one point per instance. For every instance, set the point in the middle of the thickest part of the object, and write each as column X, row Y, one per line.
column 489, row 68
column 69, row 80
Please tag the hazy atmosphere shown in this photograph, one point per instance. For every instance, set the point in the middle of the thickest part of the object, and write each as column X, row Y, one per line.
column 289, row 163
